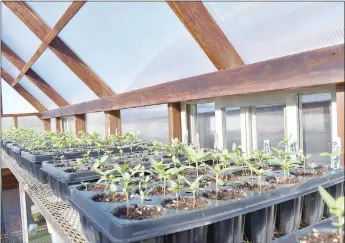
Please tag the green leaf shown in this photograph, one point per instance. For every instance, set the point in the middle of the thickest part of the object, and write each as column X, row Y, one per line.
column 340, row 203
column 124, row 168
column 113, row 188
column 329, row 200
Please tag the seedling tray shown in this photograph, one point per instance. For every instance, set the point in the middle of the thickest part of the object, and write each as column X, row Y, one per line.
column 59, row 180
column 100, row 225
column 323, row 226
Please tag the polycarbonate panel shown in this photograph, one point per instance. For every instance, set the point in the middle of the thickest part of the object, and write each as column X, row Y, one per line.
column 131, row 45
column 150, row 122
column 17, row 36
column 95, row 122
column 265, row 30
column 12, row 102
column 9, row 67
column 270, row 124
column 50, row 12
column 317, row 131
column 205, row 124
column 67, row 124
column 62, row 79
column 37, row 93
column 53, row 124
column 30, row 122
column 6, row 123
column 232, row 126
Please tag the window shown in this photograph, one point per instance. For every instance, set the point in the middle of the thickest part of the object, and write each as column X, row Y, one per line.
column 68, row 124
column 232, row 124
column 316, row 120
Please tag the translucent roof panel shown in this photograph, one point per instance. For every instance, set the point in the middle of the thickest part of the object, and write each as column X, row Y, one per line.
column 50, row 12
column 17, row 36
column 37, row 93
column 9, row 67
column 134, row 44
column 9, row 95
column 62, row 79
column 265, row 30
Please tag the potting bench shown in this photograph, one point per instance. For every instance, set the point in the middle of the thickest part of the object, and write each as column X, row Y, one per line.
column 62, row 220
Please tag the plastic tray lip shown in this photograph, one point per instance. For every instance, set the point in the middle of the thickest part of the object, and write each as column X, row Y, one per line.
column 192, row 219
column 324, row 225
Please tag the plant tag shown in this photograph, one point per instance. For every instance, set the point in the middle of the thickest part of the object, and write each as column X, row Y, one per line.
column 267, row 148
column 215, row 145
column 197, row 142
column 185, row 139
column 292, row 147
column 335, row 160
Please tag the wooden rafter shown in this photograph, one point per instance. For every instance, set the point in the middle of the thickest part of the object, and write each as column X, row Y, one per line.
column 207, row 33
column 318, row 67
column 25, row 94
column 33, row 76
column 21, row 114
column 57, row 46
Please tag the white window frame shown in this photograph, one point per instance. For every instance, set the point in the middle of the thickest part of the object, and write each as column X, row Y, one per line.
column 248, row 103
column 67, row 124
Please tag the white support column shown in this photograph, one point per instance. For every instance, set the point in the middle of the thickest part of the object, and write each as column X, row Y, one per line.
column 246, row 131
column 23, row 213
column 292, row 119
column 219, row 114
column 334, row 118
column 184, row 123
column 255, row 143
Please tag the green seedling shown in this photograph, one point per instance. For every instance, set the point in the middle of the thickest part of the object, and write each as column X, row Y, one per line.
column 196, row 157
column 313, row 166
column 304, row 158
column 259, row 172
column 330, row 155
column 336, row 207
column 175, row 187
column 194, row 187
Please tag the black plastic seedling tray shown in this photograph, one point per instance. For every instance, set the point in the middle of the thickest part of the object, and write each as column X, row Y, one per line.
column 323, row 226
column 190, row 226
column 59, row 180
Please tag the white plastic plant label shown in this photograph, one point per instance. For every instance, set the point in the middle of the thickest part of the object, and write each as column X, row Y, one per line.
column 185, row 139
column 197, row 141
column 292, row 148
column 335, row 159
column 267, row 148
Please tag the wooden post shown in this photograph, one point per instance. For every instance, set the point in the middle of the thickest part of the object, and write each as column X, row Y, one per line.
column 58, row 124
column 79, row 123
column 46, row 125
column 15, row 120
column 174, row 113
column 112, row 122
column 340, row 114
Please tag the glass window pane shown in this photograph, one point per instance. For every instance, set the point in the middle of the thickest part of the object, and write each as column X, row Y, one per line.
column 95, row 122
column 68, row 124
column 30, row 122
column 9, row 67
column 205, row 124
column 62, row 79
column 232, row 127
column 278, row 28
column 7, row 122
column 37, row 93
column 17, row 36
column 150, row 121
column 270, row 122
column 50, row 12
column 9, row 95
column 138, row 44
column 317, row 133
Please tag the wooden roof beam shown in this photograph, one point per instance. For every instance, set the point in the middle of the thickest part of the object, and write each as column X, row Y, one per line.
column 33, row 76
column 57, row 46
column 25, row 94
column 207, row 33
column 320, row 67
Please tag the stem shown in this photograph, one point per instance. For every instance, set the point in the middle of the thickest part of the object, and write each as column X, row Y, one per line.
column 341, row 236
column 216, row 186
column 164, row 186
column 194, row 201
column 197, row 170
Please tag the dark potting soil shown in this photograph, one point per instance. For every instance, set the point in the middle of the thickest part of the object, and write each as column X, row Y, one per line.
column 94, row 187
column 293, row 180
column 310, row 173
column 186, row 203
column 227, row 178
column 192, row 171
column 158, row 191
column 224, row 194
column 272, row 167
column 135, row 212
column 321, row 237
column 77, row 169
column 112, row 197
column 256, row 188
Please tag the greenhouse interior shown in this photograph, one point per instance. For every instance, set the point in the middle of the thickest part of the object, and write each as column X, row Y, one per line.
column 172, row 122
